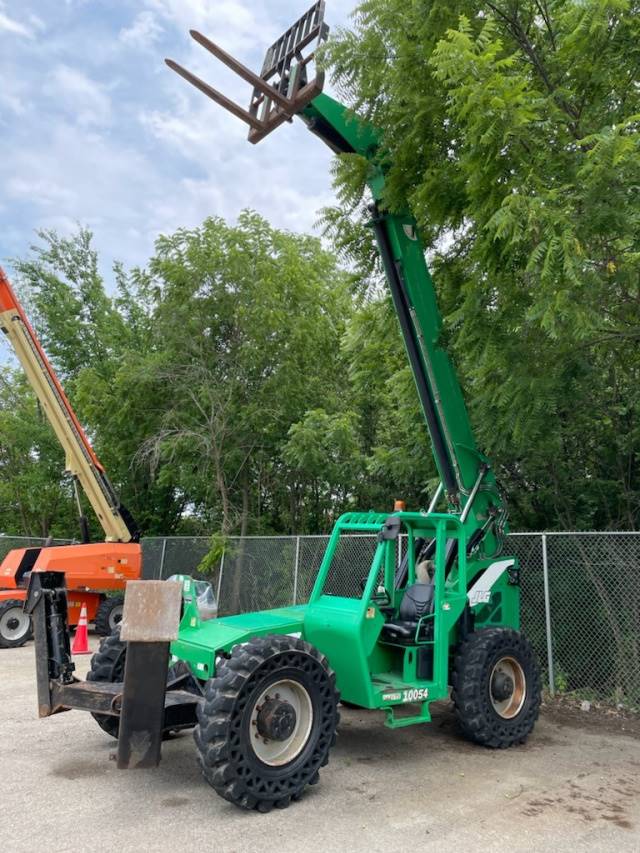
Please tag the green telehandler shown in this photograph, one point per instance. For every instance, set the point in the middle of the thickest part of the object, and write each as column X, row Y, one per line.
column 442, row 619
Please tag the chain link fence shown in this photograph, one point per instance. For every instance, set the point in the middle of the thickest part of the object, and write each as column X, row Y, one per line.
column 8, row 543
column 580, row 593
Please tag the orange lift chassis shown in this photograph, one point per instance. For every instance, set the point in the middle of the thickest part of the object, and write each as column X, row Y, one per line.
column 92, row 568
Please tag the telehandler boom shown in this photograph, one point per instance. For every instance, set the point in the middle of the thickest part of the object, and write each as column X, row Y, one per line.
column 91, row 568
column 443, row 620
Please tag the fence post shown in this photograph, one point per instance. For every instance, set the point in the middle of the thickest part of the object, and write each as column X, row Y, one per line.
column 547, row 614
column 295, row 571
column 219, row 587
column 164, row 551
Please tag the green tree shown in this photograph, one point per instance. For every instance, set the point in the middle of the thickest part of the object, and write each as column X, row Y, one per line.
column 35, row 499
column 96, row 342
column 189, row 378
column 512, row 131
column 323, row 452
column 394, row 438
column 247, row 324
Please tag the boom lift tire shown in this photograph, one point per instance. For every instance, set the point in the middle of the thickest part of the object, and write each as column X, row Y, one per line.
column 109, row 615
column 15, row 624
column 496, row 687
column 268, row 722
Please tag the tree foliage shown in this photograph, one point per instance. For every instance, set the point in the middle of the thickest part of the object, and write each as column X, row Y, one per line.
column 34, row 501
column 243, row 382
column 190, row 377
column 512, row 132
column 247, row 326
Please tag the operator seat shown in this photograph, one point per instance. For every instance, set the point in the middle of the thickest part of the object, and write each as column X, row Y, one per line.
column 417, row 602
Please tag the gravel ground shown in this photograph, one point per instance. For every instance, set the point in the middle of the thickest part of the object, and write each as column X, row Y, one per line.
column 574, row 786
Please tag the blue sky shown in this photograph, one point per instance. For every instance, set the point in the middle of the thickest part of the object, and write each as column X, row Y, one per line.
column 95, row 129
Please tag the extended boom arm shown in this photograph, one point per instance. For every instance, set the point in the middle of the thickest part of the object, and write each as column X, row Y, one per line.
column 81, row 460
column 465, row 473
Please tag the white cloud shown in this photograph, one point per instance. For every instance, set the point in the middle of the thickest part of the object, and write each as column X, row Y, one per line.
column 143, row 32
column 12, row 102
column 36, row 22
column 9, row 25
column 44, row 191
column 177, row 130
column 85, row 98
column 84, row 176
column 237, row 23
column 158, row 155
column 285, row 178
column 14, row 97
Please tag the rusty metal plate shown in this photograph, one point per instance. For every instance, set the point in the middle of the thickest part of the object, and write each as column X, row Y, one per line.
column 151, row 611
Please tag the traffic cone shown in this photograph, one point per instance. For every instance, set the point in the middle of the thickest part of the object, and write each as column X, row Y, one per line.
column 81, row 639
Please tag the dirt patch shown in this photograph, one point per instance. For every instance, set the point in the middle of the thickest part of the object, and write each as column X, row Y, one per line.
column 602, row 719
column 73, row 770
column 561, row 711
column 590, row 803
column 175, row 802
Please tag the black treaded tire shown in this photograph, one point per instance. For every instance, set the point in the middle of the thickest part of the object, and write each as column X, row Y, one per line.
column 226, row 754
column 107, row 664
column 474, row 663
column 11, row 640
column 109, row 615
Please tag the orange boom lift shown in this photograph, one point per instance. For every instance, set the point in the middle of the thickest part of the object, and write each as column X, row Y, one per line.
column 91, row 569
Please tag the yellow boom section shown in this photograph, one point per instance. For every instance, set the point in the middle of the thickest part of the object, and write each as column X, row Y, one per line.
column 81, row 461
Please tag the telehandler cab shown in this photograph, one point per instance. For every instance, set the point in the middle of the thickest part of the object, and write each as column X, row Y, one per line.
column 263, row 689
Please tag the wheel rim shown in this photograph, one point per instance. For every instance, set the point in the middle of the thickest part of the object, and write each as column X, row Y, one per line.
column 507, row 688
column 115, row 617
column 14, row 624
column 287, row 703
